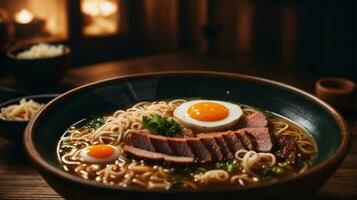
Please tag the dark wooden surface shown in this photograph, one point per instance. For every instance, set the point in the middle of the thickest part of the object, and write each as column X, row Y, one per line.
column 19, row 180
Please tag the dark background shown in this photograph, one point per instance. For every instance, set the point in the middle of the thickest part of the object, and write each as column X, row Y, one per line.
column 318, row 37
column 290, row 41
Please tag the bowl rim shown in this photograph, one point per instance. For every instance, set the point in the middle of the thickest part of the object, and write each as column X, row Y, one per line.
column 333, row 161
column 17, row 99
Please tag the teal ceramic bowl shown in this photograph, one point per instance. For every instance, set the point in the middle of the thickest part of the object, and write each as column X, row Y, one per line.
column 326, row 126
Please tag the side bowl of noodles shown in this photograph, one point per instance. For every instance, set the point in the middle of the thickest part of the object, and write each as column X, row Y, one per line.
column 112, row 113
column 16, row 113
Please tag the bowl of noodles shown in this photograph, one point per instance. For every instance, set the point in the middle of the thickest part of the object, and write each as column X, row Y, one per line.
column 177, row 135
column 16, row 113
column 39, row 65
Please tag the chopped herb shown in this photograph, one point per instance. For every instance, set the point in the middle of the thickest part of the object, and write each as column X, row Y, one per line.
column 220, row 165
column 95, row 123
column 161, row 125
column 180, row 174
column 272, row 171
column 190, row 169
column 176, row 181
column 230, row 166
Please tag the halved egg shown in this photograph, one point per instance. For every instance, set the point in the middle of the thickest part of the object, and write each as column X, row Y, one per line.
column 99, row 154
column 208, row 115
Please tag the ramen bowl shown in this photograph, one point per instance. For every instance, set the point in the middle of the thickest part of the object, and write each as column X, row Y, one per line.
column 326, row 126
column 13, row 130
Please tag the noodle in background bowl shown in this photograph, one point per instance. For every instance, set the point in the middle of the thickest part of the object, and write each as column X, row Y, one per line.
column 327, row 127
column 12, row 129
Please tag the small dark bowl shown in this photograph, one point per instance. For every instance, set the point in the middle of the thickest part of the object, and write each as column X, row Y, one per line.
column 38, row 72
column 14, row 130
column 326, row 126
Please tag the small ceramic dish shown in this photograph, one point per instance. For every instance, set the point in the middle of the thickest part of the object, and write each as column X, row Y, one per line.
column 338, row 92
column 38, row 72
column 13, row 130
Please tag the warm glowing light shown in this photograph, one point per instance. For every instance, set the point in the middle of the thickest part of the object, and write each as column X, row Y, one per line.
column 96, row 8
column 101, row 17
column 24, row 16
column 108, row 8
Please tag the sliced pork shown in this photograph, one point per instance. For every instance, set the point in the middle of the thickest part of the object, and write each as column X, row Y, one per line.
column 258, row 139
column 264, row 141
column 255, row 120
column 206, row 147
column 287, row 149
column 149, row 155
column 212, row 147
column 233, row 141
column 199, row 149
column 224, row 147
column 248, row 140
column 141, row 140
column 161, row 144
column 180, row 147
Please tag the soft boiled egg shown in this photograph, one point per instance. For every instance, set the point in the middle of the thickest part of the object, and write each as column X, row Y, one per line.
column 99, row 154
column 208, row 115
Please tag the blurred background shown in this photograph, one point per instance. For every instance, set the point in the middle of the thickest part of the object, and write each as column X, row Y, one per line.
column 315, row 37
column 292, row 41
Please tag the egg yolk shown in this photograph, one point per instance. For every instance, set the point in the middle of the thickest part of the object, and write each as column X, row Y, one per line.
column 100, row 151
column 207, row 111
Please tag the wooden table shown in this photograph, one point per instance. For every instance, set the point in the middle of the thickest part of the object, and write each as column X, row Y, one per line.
column 19, row 180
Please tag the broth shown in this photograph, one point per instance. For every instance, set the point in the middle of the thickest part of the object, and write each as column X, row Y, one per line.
column 248, row 167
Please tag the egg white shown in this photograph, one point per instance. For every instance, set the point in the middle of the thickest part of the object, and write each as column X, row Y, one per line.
column 88, row 159
column 234, row 113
